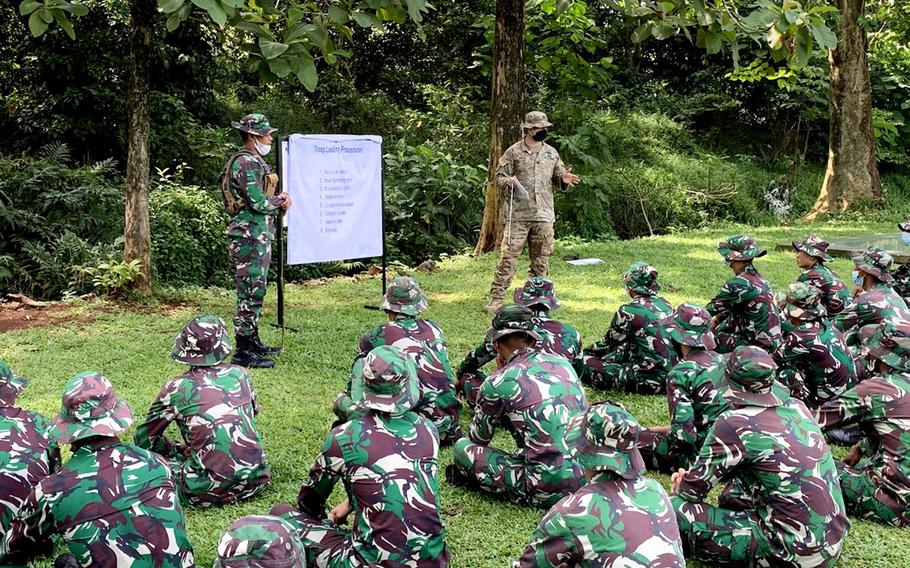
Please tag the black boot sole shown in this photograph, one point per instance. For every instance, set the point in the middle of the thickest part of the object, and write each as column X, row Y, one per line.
column 254, row 363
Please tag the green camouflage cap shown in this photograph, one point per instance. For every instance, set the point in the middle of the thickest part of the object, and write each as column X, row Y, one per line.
column 691, row 325
column 740, row 247
column 11, row 384
column 605, row 437
column 260, row 541
column 404, row 296
column 803, row 302
column 814, row 247
column 905, row 226
column 90, row 408
column 537, row 291
column 890, row 343
column 750, row 378
column 876, row 262
column 256, row 124
column 511, row 319
column 536, row 119
column 388, row 381
column 203, row 342
column 642, row 278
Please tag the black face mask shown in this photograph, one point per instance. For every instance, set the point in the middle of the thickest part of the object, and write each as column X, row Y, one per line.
column 540, row 135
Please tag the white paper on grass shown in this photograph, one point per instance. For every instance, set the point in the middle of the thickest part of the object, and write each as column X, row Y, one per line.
column 335, row 182
column 585, row 261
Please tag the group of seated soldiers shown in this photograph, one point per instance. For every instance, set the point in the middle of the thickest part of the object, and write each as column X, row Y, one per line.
column 752, row 382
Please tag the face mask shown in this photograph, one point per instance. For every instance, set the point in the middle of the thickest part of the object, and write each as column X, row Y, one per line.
column 906, row 238
column 263, row 149
column 857, row 279
column 540, row 135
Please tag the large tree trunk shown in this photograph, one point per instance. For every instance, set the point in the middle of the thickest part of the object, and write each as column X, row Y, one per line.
column 506, row 108
column 852, row 172
column 137, row 233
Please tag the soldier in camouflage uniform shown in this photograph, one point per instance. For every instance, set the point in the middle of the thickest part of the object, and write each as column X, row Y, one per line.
column 634, row 355
column 221, row 459
column 387, row 458
column 815, row 362
column 114, row 505
column 694, row 386
column 526, row 174
column 26, row 454
column 811, row 256
column 620, row 518
column 902, row 273
column 533, row 395
column 260, row 541
column 744, row 310
column 556, row 338
column 251, row 231
column 424, row 343
column 877, row 486
column 785, row 507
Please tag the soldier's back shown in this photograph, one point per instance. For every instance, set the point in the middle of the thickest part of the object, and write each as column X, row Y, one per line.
column 701, row 376
column 558, row 338
column 26, row 457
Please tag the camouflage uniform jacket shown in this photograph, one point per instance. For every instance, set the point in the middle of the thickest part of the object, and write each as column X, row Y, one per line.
column 746, row 307
column 214, row 407
column 537, row 172
column 26, row 457
column 693, row 395
column 423, row 341
column 114, row 504
column 780, row 457
column 533, row 396
column 609, row 522
column 835, row 295
column 815, row 362
column 389, row 468
column 247, row 177
column 871, row 307
column 635, row 335
column 882, row 406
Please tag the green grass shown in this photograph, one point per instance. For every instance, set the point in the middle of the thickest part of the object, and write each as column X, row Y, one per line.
column 132, row 349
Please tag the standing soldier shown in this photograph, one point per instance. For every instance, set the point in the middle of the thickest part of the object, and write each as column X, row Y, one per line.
column 783, row 506
column 112, row 503
column 526, row 174
column 260, row 541
column 248, row 191
column 556, row 338
column 634, row 355
column 811, row 256
column 744, row 310
column 221, row 459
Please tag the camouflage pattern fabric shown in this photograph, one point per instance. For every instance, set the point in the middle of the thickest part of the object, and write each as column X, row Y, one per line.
column 747, row 314
column 203, row 342
column 254, row 123
column 874, row 261
column 815, row 362
column 741, row 248
column 538, row 293
column 836, row 296
column 404, row 296
column 537, row 172
column 871, row 307
column 113, row 504
column 260, row 541
column 634, row 354
column 388, row 464
column 221, row 459
column 902, row 281
column 534, row 396
column 641, row 278
column 539, row 237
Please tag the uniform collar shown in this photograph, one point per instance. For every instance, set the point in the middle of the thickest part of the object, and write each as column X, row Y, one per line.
column 527, row 149
column 524, row 351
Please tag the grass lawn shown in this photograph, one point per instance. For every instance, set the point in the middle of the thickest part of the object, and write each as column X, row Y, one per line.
column 132, row 348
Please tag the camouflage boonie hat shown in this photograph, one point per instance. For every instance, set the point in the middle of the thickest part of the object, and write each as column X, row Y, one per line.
column 750, row 379
column 642, row 278
column 11, row 384
column 256, row 124
column 874, row 261
column 741, row 248
column 803, row 302
column 388, row 381
column 814, row 247
column 512, row 319
column 890, row 343
column 260, row 541
column 537, row 291
column 536, row 119
column 404, row 296
column 202, row 343
column 691, row 325
column 605, row 438
column 90, row 408
column 905, row 226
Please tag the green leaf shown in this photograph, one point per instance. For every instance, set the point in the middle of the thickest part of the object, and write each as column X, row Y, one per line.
column 169, row 6
column 365, row 20
column 36, row 25
column 663, row 31
column 64, row 23
column 272, row 49
column 338, row 14
column 803, row 48
column 641, row 33
column 713, row 42
column 280, row 67
column 218, row 15
column 307, row 75
column 173, row 21
column 205, row 4
column 75, row 9
column 824, row 37
column 28, row 6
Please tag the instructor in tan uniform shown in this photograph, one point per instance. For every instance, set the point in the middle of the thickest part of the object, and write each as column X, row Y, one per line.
column 526, row 174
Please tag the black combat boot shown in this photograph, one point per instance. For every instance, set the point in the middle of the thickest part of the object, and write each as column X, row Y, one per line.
column 457, row 478
column 262, row 348
column 247, row 355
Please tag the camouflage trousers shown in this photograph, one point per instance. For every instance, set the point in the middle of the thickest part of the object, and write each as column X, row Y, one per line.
column 539, row 238
column 729, row 336
column 202, row 488
column 716, row 535
column 470, row 387
column 610, row 372
column 514, row 478
column 662, row 455
column 865, row 497
column 327, row 545
column 252, row 255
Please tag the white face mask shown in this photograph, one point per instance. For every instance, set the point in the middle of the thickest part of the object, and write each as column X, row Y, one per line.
column 263, row 149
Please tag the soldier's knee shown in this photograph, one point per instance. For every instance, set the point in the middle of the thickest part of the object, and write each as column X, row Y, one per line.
column 460, row 451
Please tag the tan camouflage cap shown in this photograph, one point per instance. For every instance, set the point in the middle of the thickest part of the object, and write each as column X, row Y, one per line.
column 536, row 119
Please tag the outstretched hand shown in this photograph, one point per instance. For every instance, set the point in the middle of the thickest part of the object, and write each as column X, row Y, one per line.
column 570, row 179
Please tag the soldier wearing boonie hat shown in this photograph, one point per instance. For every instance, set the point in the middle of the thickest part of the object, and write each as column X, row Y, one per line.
column 876, row 485
column 577, row 530
column 111, row 500
column 526, row 173
column 221, row 457
column 260, row 541
column 811, row 256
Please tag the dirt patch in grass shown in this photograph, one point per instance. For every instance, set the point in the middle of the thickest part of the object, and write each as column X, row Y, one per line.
column 53, row 314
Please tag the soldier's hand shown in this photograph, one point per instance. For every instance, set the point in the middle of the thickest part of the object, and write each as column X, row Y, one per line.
column 676, row 479
column 286, row 201
column 853, row 456
column 339, row 513
column 857, row 290
column 570, row 179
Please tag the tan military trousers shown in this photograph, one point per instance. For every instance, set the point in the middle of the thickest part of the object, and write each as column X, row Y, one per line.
column 539, row 238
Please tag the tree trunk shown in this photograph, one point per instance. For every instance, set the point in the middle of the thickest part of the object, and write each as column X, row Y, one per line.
column 852, row 171
column 137, row 233
column 506, row 108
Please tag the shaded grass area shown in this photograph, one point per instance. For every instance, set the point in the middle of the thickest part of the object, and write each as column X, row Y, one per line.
column 132, row 349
